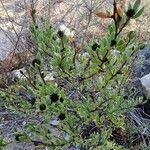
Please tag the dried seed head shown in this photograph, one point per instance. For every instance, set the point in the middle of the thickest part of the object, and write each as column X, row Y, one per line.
column 42, row 107
column 95, row 46
column 125, row 97
column 36, row 61
column 130, row 13
column 113, row 42
column 17, row 137
column 62, row 116
column 61, row 100
column 60, row 33
column 54, row 97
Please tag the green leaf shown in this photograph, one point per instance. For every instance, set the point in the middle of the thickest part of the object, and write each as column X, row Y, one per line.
column 129, row 7
column 131, row 36
column 121, row 45
column 2, row 142
column 141, row 46
column 112, row 31
column 139, row 13
column 136, row 5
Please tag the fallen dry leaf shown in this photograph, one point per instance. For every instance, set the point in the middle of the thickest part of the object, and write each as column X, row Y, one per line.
column 103, row 15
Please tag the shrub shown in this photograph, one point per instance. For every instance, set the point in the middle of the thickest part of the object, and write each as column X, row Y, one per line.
column 87, row 99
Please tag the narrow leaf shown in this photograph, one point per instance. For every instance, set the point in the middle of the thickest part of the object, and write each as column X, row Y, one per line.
column 136, row 5
column 129, row 7
column 139, row 13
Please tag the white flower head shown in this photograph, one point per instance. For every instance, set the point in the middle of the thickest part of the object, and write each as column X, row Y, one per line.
column 62, row 27
column 68, row 32
column 115, row 53
column 18, row 74
column 49, row 77
column 86, row 55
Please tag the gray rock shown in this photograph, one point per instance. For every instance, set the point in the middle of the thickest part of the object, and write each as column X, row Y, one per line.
column 141, row 71
column 5, row 45
column 21, row 146
column 145, row 80
column 141, row 81
column 142, row 63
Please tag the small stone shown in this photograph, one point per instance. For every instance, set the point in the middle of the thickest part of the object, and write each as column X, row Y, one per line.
column 54, row 122
column 148, row 30
column 80, row 79
column 145, row 80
